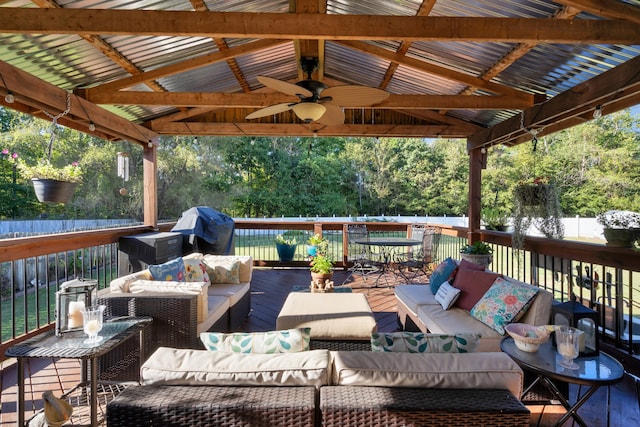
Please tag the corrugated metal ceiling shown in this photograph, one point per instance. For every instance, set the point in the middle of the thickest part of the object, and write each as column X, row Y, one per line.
column 70, row 62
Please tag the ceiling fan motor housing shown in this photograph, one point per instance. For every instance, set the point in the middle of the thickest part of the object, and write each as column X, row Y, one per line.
column 314, row 87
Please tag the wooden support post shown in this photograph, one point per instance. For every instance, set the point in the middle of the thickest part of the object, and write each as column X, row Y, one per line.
column 475, row 193
column 150, row 179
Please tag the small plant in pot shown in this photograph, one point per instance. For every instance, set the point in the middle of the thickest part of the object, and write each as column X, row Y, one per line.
column 321, row 268
column 621, row 228
column 477, row 253
column 315, row 244
column 495, row 218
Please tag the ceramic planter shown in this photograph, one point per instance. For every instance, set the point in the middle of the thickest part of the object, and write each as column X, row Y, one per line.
column 620, row 237
column 480, row 259
column 286, row 252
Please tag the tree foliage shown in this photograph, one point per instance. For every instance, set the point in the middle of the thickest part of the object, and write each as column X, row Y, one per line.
column 595, row 166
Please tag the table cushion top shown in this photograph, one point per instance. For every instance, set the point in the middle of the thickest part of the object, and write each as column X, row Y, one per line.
column 330, row 316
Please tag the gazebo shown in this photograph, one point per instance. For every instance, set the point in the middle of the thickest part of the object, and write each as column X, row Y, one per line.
column 491, row 71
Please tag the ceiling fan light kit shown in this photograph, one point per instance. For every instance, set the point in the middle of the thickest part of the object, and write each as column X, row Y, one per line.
column 317, row 101
column 309, row 111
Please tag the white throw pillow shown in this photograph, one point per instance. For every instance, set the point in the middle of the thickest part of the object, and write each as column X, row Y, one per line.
column 447, row 295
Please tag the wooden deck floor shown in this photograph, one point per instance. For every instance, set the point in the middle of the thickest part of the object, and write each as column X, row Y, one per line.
column 269, row 289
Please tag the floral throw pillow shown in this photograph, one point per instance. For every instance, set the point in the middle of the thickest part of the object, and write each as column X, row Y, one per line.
column 171, row 271
column 195, row 271
column 223, row 271
column 502, row 303
column 418, row 342
column 285, row 341
column 442, row 273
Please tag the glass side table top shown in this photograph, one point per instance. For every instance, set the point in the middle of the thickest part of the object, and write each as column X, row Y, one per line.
column 73, row 345
column 601, row 369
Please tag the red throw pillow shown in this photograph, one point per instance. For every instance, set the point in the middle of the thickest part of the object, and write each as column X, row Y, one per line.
column 467, row 265
column 473, row 285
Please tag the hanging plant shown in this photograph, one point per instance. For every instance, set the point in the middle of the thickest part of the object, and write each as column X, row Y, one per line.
column 536, row 204
column 52, row 183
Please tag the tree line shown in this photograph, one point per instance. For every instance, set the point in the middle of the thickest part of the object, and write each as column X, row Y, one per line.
column 596, row 167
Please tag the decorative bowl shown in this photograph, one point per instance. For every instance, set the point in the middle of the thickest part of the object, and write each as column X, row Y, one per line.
column 527, row 337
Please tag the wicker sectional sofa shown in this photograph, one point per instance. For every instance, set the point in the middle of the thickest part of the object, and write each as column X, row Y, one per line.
column 181, row 311
column 322, row 388
column 418, row 310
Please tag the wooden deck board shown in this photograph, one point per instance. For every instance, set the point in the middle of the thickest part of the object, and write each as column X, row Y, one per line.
column 269, row 289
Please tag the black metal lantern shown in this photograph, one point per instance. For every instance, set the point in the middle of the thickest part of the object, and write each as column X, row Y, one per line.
column 72, row 298
column 572, row 313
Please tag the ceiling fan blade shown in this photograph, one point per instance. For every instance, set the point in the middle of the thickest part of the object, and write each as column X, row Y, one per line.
column 272, row 109
column 334, row 116
column 285, row 87
column 355, row 96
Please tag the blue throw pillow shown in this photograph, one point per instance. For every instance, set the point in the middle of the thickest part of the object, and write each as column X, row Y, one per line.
column 171, row 271
column 442, row 273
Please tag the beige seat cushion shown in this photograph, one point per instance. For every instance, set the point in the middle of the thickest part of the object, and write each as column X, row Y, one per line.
column 431, row 370
column 218, row 307
column 234, row 292
column 414, row 296
column 332, row 316
column 170, row 366
column 456, row 320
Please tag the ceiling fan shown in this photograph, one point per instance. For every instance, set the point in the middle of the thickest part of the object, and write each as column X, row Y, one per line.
column 318, row 102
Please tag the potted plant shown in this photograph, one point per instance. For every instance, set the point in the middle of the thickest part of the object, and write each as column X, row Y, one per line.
column 321, row 268
column 314, row 244
column 478, row 253
column 286, row 248
column 51, row 183
column 620, row 228
column 495, row 218
column 536, row 203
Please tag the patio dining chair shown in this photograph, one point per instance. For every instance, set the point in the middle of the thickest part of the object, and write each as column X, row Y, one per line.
column 359, row 255
column 415, row 262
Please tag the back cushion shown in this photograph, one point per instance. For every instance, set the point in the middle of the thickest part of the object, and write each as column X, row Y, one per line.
column 473, row 285
column 429, row 370
column 171, row 366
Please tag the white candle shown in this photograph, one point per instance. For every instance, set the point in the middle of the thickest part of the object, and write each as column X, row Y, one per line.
column 91, row 327
column 567, row 350
column 75, row 314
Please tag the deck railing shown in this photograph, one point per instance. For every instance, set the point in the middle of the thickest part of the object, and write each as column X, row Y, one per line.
column 603, row 278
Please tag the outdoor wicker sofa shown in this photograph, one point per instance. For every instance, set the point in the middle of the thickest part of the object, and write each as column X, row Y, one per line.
column 323, row 388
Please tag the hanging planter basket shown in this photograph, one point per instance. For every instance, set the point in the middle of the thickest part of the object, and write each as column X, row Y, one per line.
column 533, row 194
column 53, row 191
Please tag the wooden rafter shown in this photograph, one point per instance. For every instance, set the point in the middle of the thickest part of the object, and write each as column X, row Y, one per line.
column 611, row 9
column 106, row 49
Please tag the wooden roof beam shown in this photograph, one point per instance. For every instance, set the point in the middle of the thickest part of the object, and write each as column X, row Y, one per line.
column 260, row 100
column 315, row 26
column 301, row 129
column 40, row 95
column 612, row 89
column 610, row 9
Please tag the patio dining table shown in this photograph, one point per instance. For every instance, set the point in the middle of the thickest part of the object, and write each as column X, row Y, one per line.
column 386, row 247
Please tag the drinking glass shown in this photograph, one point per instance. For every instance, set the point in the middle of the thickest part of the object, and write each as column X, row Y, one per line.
column 568, row 343
column 92, row 317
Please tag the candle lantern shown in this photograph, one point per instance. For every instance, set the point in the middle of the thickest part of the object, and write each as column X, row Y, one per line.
column 72, row 298
column 572, row 313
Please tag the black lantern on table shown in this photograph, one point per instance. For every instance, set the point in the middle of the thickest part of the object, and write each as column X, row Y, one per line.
column 572, row 313
column 72, row 298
